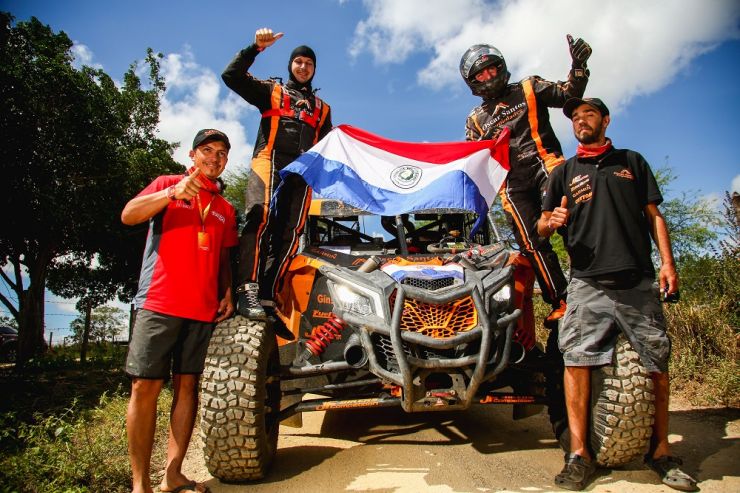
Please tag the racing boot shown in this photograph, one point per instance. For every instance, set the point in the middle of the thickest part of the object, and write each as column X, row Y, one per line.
column 248, row 302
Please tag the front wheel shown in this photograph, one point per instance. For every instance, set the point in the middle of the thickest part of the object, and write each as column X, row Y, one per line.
column 240, row 392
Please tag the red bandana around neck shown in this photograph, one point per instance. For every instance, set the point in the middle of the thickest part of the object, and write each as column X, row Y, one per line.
column 586, row 152
column 206, row 183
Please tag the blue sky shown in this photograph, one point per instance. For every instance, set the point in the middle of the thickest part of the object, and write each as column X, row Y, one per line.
column 668, row 69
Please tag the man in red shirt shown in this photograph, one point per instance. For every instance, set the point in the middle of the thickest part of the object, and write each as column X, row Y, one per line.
column 184, row 289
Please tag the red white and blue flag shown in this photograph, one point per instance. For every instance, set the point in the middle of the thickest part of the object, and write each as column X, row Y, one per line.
column 388, row 177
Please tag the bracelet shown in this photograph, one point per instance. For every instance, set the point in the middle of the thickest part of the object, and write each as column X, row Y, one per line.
column 171, row 192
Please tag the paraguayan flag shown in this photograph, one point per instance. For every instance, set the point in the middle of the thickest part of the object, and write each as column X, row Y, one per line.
column 388, row 177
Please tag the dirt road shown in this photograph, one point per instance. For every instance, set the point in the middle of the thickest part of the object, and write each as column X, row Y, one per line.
column 482, row 450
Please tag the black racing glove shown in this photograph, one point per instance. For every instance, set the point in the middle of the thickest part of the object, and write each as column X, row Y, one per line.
column 579, row 52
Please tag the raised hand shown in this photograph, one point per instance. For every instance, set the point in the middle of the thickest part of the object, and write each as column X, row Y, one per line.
column 265, row 37
column 580, row 51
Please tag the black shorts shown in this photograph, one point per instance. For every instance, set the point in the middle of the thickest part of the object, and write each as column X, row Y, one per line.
column 161, row 344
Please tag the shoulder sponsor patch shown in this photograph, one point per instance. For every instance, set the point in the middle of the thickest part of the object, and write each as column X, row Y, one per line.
column 624, row 173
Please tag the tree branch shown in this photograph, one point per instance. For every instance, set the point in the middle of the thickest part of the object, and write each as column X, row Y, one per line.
column 8, row 280
column 13, row 311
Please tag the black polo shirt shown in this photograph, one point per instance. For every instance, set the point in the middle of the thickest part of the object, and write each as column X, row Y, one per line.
column 607, row 230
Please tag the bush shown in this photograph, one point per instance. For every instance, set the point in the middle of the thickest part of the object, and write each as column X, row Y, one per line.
column 75, row 451
column 78, row 442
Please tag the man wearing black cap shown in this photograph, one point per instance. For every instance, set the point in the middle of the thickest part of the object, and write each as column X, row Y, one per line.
column 604, row 203
column 293, row 120
column 184, row 289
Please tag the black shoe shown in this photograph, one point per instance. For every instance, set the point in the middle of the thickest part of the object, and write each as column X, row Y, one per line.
column 248, row 302
column 667, row 469
column 576, row 473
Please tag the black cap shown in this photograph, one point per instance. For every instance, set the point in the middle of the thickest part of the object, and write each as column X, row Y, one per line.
column 303, row 50
column 574, row 103
column 208, row 135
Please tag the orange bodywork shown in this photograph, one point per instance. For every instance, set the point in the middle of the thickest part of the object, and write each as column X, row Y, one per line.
column 292, row 300
column 523, row 290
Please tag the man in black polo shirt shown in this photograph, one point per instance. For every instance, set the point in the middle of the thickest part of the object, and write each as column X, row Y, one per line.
column 604, row 202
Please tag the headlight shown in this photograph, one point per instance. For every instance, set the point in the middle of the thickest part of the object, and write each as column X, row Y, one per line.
column 503, row 295
column 353, row 301
column 355, row 298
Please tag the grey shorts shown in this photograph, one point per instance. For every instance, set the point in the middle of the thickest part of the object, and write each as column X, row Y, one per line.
column 163, row 343
column 596, row 315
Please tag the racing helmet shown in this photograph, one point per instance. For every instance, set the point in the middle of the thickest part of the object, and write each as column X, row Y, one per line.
column 475, row 59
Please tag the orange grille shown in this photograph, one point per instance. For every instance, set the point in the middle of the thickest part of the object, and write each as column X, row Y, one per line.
column 438, row 321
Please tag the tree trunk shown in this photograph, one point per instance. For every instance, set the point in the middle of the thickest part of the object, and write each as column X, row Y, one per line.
column 30, row 325
column 86, row 332
column 31, row 341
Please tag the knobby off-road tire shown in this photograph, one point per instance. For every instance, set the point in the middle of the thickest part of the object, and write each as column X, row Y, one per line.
column 622, row 408
column 240, row 400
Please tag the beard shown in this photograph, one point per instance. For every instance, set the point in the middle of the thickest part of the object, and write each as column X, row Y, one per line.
column 589, row 135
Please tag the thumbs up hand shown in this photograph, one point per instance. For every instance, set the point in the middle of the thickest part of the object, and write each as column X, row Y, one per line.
column 559, row 216
column 189, row 186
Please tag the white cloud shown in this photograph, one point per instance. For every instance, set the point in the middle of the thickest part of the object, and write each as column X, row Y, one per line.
column 639, row 46
column 83, row 55
column 735, row 187
column 195, row 99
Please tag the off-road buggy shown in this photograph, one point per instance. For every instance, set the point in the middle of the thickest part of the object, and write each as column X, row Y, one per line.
column 424, row 320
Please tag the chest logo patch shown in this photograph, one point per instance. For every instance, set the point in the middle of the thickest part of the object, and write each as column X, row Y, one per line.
column 406, row 176
column 580, row 189
column 624, row 173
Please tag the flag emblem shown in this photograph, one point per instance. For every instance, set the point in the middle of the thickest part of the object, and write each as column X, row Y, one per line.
column 406, row 176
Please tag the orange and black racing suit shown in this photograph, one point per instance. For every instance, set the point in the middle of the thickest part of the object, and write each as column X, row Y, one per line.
column 293, row 120
column 534, row 152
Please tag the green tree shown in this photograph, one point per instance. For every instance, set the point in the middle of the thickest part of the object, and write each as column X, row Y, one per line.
column 692, row 220
column 235, row 186
column 75, row 149
column 8, row 322
column 106, row 323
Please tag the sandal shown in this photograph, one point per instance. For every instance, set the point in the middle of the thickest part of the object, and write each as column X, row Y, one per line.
column 576, row 473
column 667, row 469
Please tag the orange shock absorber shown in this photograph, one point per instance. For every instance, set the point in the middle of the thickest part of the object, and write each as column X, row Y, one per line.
column 320, row 338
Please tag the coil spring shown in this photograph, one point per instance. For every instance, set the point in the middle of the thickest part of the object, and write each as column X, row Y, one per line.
column 323, row 335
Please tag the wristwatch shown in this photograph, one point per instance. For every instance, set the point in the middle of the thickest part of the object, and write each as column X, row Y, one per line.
column 171, row 192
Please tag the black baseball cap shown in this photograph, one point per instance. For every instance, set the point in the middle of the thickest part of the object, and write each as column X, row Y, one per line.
column 209, row 135
column 574, row 103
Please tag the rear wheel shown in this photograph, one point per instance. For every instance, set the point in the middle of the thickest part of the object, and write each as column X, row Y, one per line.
column 622, row 405
column 240, row 393
column 622, row 408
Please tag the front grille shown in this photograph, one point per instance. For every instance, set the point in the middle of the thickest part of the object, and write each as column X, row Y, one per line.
column 429, row 284
column 439, row 321
column 385, row 354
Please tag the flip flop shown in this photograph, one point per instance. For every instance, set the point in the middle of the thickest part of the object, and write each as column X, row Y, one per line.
column 670, row 474
column 191, row 486
column 576, row 473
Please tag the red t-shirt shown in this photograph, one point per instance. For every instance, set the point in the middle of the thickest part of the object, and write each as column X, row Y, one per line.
column 179, row 273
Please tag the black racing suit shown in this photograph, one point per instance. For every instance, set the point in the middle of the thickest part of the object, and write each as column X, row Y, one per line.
column 293, row 120
column 534, row 152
